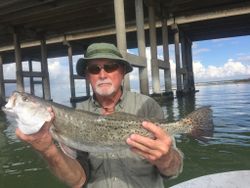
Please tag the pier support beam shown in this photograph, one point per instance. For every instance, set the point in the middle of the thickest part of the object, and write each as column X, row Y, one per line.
column 45, row 72
column 179, row 86
column 188, row 78
column 153, row 49
column 184, row 63
column 143, row 72
column 121, row 34
column 2, row 88
column 190, row 72
column 18, row 60
column 71, row 73
column 165, row 43
column 32, row 88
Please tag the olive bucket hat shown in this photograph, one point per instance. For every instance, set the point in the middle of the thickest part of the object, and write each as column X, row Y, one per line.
column 101, row 51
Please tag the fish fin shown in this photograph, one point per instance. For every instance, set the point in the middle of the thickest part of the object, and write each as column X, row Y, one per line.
column 201, row 123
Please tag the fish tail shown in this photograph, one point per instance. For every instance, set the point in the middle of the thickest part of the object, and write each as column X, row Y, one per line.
column 201, row 122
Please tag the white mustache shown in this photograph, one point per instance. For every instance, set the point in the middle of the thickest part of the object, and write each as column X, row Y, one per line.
column 107, row 81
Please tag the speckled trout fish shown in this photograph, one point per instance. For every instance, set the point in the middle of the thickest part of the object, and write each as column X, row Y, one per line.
column 91, row 132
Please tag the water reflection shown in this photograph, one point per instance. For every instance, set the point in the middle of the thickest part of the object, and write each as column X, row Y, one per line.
column 228, row 149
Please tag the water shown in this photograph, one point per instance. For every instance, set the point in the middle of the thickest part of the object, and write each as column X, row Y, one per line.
column 228, row 148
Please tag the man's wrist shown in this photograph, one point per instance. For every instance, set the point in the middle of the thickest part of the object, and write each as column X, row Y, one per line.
column 173, row 163
column 50, row 151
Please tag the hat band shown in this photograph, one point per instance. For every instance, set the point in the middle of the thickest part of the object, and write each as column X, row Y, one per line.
column 103, row 51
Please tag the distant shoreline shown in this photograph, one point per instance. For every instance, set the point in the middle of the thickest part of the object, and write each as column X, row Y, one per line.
column 222, row 82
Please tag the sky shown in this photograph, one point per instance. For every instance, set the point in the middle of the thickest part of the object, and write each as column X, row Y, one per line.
column 218, row 59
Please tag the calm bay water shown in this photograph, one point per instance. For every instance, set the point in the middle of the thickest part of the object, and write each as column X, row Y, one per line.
column 228, row 149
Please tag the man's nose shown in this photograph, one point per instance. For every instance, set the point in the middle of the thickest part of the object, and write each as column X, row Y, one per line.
column 103, row 73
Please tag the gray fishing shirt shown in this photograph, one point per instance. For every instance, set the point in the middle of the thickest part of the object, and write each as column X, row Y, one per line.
column 122, row 168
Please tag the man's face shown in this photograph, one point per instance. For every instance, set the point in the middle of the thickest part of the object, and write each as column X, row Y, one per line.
column 105, row 76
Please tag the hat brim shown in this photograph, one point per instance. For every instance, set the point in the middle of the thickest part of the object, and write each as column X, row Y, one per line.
column 82, row 64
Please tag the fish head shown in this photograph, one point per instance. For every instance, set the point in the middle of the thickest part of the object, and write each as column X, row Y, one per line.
column 29, row 112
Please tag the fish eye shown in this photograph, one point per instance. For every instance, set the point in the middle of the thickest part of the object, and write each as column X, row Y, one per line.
column 25, row 99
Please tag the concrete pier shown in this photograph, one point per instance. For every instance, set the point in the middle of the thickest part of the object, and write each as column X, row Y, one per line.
column 45, row 71
column 2, row 88
column 18, row 60
column 165, row 45
column 141, row 43
column 153, row 48
column 121, row 34
column 128, row 24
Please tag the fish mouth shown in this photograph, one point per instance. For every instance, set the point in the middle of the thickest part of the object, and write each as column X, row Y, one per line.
column 7, row 109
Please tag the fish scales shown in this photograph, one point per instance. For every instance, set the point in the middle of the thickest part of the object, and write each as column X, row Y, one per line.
column 92, row 132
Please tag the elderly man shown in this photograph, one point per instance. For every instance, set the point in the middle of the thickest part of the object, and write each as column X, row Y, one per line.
column 145, row 163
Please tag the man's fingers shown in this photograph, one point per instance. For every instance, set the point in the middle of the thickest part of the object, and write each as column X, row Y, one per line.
column 138, row 145
column 156, row 130
column 141, row 141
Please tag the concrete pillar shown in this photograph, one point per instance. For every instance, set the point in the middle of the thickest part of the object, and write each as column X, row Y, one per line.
column 184, row 62
column 143, row 72
column 18, row 60
column 153, row 48
column 2, row 88
column 121, row 34
column 177, row 59
column 71, row 73
column 188, row 78
column 45, row 72
column 190, row 72
column 32, row 89
column 167, row 72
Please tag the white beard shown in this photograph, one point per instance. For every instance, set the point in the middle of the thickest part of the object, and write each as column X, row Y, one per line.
column 104, row 91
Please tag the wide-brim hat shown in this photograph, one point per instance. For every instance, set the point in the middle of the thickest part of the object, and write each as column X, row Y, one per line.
column 101, row 51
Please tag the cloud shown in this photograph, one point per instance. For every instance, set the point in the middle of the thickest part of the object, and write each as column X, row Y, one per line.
column 230, row 70
column 9, row 71
column 244, row 58
column 59, row 79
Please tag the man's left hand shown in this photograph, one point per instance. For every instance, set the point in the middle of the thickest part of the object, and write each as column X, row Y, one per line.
column 158, row 150
column 151, row 149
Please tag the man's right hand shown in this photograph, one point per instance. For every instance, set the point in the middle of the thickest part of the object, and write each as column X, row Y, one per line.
column 42, row 140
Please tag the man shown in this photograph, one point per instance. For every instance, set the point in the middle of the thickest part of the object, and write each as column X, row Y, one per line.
column 147, row 160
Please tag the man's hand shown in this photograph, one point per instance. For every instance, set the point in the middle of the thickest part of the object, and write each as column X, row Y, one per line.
column 42, row 140
column 157, row 151
column 65, row 168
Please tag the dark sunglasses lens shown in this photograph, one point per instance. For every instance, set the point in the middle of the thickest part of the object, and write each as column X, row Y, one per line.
column 93, row 69
column 111, row 67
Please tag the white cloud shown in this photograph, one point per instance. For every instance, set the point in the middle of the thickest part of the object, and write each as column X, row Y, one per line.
column 59, row 79
column 244, row 58
column 230, row 70
column 9, row 71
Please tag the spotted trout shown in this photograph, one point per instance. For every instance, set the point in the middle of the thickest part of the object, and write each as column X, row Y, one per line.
column 92, row 132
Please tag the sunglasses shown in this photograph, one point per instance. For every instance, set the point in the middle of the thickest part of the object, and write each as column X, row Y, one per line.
column 96, row 69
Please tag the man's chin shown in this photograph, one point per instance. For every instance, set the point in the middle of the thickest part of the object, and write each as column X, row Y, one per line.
column 105, row 93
